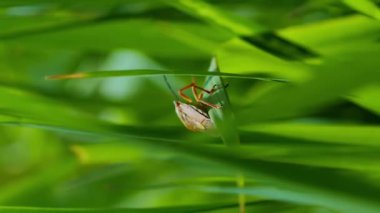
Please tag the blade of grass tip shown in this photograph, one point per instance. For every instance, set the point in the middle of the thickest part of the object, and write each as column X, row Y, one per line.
column 224, row 121
column 223, row 118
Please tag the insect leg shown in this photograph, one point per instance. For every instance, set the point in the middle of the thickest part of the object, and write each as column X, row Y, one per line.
column 183, row 95
column 199, row 97
column 209, row 104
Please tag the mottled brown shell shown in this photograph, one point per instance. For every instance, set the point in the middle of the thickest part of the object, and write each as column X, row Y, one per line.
column 192, row 117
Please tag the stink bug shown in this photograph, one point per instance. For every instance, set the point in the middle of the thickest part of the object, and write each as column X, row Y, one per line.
column 194, row 116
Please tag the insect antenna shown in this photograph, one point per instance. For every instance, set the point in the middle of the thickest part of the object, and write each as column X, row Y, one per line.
column 170, row 88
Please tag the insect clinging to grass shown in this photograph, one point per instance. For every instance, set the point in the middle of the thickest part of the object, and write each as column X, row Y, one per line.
column 194, row 114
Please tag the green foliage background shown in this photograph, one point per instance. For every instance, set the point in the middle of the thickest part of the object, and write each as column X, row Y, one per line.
column 299, row 130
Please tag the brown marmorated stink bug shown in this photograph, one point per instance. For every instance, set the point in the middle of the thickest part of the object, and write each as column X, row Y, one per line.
column 194, row 116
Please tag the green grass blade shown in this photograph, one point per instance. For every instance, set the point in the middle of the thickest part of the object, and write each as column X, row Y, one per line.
column 318, row 91
column 223, row 118
column 368, row 97
column 141, row 73
column 335, row 36
column 39, row 112
column 366, row 7
column 322, row 133
column 95, row 36
column 251, row 32
column 237, row 56
column 194, row 208
column 217, row 17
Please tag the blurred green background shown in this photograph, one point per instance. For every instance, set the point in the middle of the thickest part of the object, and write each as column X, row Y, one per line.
column 299, row 130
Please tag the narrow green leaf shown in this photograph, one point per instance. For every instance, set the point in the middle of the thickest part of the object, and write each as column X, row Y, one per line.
column 330, row 82
column 356, row 158
column 38, row 112
column 248, row 31
column 237, row 56
column 335, row 36
column 322, row 133
column 368, row 97
column 217, row 17
column 366, row 7
column 94, row 34
column 223, row 118
column 104, row 74
column 193, row 208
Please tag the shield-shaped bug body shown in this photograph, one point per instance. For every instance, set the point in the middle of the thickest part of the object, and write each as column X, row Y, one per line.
column 192, row 117
column 195, row 117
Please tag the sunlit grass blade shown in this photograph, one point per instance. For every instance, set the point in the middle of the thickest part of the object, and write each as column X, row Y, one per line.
column 366, row 7
column 318, row 91
column 322, row 133
column 335, row 36
column 363, row 162
column 356, row 158
column 236, row 56
column 215, row 16
column 368, row 97
column 350, row 32
column 251, row 32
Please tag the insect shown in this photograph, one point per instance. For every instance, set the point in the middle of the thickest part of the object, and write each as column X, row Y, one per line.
column 194, row 116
